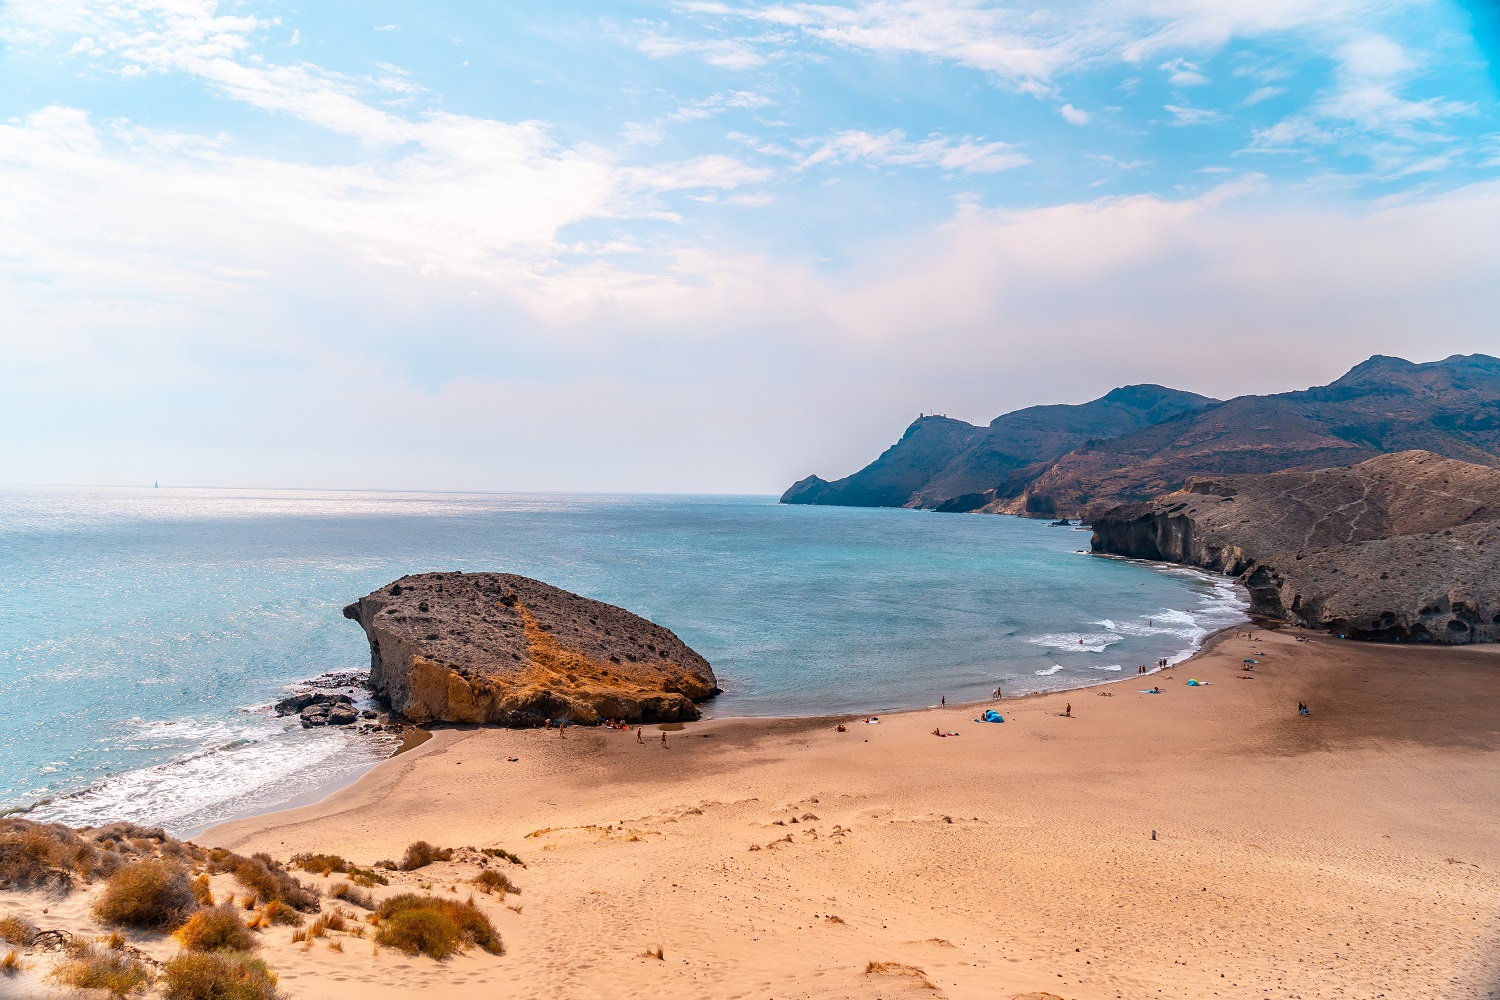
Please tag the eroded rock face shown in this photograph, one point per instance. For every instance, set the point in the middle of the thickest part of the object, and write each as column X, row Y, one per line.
column 1401, row 546
column 508, row 650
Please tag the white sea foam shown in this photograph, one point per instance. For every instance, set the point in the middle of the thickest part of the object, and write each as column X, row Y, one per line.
column 1049, row 671
column 242, row 769
column 1112, row 666
column 1077, row 642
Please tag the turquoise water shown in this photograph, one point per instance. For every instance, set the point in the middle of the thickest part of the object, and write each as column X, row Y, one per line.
column 143, row 632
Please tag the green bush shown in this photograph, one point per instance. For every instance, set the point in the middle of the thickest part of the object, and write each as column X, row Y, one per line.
column 320, row 864
column 427, row 925
column 152, row 894
column 218, row 976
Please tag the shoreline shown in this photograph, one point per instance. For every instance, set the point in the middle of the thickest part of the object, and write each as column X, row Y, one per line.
column 1180, row 843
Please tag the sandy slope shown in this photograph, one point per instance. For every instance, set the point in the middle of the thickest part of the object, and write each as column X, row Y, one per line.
column 1350, row 854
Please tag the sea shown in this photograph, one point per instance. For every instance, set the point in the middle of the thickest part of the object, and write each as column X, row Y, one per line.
column 145, row 633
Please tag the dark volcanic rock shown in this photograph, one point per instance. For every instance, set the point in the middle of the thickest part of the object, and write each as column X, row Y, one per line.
column 1400, row 546
column 297, row 701
column 508, row 650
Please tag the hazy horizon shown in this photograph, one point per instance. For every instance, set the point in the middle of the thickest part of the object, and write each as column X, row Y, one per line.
column 702, row 247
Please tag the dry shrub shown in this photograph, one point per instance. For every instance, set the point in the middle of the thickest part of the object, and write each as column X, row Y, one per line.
column 153, row 894
column 203, row 890
column 17, row 930
column 338, row 920
column 262, row 875
column 299, row 936
column 500, row 852
column 114, row 941
column 655, row 953
column 216, row 929
column 11, row 963
column 352, row 894
column 367, row 878
column 435, row 927
column 490, row 881
column 276, row 913
column 218, row 976
column 320, row 864
column 900, row 969
column 88, row 968
column 35, row 854
column 420, row 854
column 336, row 946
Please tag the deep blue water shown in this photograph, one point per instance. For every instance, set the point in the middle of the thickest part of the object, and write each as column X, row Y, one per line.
column 143, row 632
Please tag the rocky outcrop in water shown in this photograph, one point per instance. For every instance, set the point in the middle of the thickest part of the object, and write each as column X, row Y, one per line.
column 1403, row 546
column 509, row 650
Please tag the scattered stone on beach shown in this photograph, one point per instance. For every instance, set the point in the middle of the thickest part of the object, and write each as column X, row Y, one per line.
column 503, row 649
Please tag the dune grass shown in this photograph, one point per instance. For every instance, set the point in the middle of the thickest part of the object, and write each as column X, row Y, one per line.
column 437, row 928
column 218, row 976
column 490, row 880
column 217, row 928
column 86, row 967
column 17, row 930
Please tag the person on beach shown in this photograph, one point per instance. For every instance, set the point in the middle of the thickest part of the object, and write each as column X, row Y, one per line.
column 547, row 724
column 562, row 725
column 639, row 738
column 1068, row 712
column 664, row 738
column 943, row 701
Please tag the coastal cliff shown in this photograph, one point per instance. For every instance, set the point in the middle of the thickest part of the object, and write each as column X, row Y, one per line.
column 1403, row 546
column 502, row 649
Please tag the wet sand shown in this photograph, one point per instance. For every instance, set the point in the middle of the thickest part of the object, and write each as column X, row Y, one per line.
column 1352, row 853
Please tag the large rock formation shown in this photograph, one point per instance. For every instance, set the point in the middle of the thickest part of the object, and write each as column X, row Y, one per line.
column 1400, row 546
column 508, row 650
column 946, row 464
column 1141, row 441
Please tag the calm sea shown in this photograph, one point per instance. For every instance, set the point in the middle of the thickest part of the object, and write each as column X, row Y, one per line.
column 143, row 632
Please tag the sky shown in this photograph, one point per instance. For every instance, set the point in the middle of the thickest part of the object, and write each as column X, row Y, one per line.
column 706, row 247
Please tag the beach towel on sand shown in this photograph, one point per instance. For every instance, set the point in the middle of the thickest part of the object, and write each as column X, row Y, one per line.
column 990, row 715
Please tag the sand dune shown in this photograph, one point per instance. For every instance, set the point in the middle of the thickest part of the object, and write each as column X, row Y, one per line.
column 1349, row 854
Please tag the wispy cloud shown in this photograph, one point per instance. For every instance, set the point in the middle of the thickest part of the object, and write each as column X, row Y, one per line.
column 894, row 149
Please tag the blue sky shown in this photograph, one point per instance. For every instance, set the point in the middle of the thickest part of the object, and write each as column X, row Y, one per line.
column 706, row 246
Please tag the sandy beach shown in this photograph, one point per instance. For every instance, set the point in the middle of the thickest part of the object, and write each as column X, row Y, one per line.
column 1203, row 842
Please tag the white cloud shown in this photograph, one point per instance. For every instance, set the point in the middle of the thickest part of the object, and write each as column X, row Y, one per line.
column 1194, row 116
column 1263, row 94
column 1073, row 116
column 892, row 148
column 724, row 53
column 1183, row 73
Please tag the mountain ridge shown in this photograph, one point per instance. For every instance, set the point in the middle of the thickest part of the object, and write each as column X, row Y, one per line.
column 1138, row 442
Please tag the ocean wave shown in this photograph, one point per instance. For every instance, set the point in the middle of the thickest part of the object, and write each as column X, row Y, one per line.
column 1049, row 671
column 219, row 782
column 1077, row 642
column 1112, row 666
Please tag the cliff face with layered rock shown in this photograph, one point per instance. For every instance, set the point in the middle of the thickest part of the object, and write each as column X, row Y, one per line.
column 502, row 649
column 1401, row 546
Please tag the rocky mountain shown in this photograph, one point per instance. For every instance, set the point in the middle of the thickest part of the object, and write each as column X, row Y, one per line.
column 946, row 464
column 1141, row 441
column 1404, row 545
column 1384, row 405
column 508, row 650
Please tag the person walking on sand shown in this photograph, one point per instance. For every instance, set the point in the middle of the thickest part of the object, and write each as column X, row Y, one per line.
column 943, row 701
column 663, row 738
column 1068, row 711
column 638, row 738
